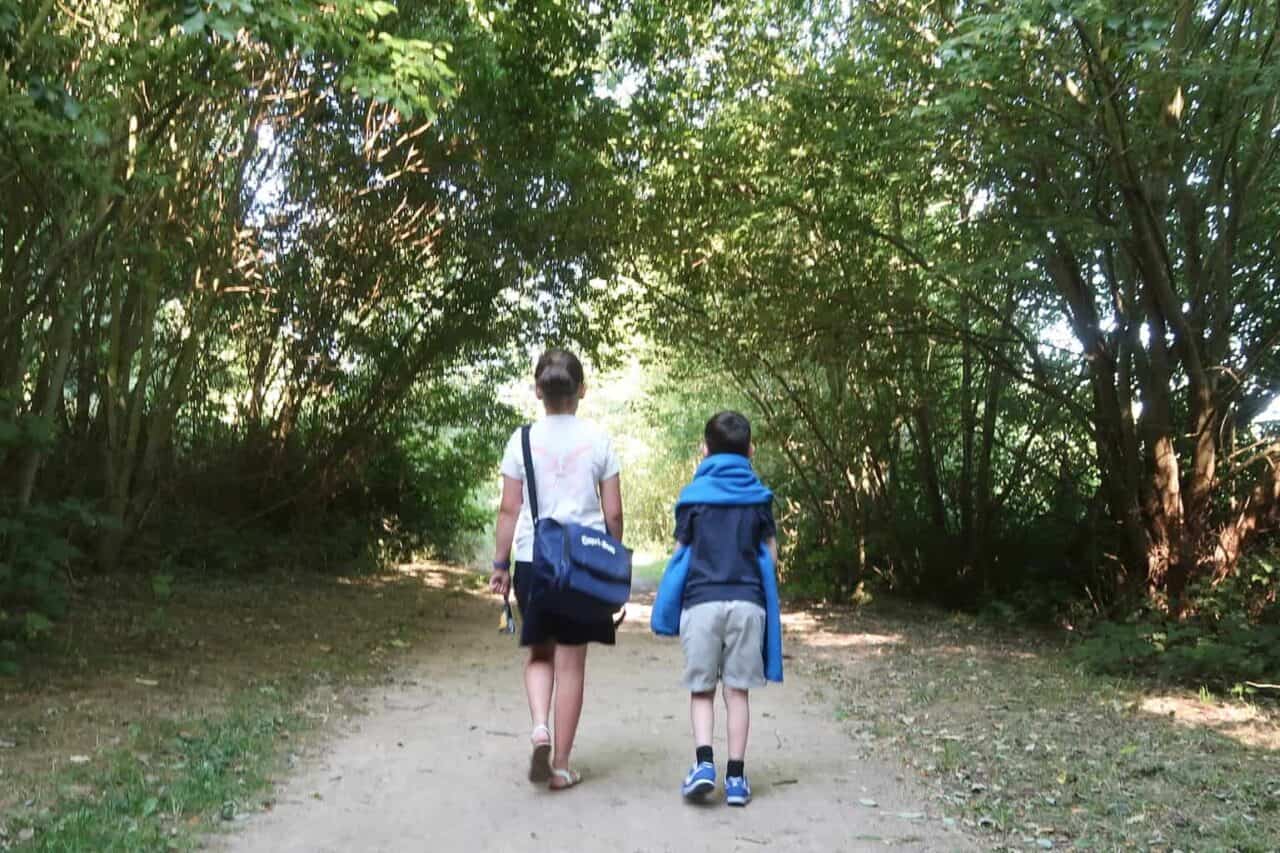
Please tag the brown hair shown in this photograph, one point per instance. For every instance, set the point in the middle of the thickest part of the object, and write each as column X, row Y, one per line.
column 728, row 432
column 558, row 376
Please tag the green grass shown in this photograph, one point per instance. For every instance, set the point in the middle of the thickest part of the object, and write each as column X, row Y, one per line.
column 239, row 671
column 649, row 570
column 1024, row 747
column 167, row 783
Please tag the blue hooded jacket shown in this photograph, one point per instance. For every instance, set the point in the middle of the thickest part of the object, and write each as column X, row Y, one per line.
column 723, row 479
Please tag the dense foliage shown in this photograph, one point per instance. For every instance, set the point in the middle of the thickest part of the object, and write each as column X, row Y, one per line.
column 263, row 264
column 1000, row 278
column 996, row 281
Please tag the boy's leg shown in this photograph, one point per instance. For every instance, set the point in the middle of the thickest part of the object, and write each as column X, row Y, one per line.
column 701, row 779
column 737, row 791
column 737, row 708
column 570, row 669
column 702, row 714
column 743, row 670
column 702, row 640
column 700, row 637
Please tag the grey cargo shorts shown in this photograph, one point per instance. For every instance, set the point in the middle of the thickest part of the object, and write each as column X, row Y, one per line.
column 723, row 641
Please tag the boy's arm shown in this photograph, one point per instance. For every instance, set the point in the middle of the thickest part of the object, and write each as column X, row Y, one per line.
column 684, row 525
column 768, row 531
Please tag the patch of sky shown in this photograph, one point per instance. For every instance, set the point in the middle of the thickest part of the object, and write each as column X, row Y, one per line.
column 1057, row 337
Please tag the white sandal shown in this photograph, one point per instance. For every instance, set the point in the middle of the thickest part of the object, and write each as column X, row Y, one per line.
column 568, row 778
column 540, row 760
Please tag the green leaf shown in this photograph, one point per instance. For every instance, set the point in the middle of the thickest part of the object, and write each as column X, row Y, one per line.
column 36, row 624
column 194, row 24
column 162, row 586
column 227, row 28
column 39, row 430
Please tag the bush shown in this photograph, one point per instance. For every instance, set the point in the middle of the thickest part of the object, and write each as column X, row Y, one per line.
column 816, row 563
column 1230, row 635
column 651, row 486
column 237, row 507
column 35, row 551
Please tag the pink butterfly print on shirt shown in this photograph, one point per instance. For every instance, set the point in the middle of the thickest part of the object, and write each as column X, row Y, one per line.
column 563, row 467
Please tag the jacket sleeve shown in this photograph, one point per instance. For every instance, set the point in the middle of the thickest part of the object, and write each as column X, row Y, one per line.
column 773, row 617
column 665, row 618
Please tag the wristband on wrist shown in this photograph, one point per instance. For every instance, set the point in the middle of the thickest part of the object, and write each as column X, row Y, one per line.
column 502, row 565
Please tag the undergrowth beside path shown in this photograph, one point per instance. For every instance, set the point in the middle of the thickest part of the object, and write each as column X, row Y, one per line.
column 1025, row 748
column 147, row 721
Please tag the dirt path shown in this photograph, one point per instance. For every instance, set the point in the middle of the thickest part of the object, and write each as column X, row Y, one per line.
column 438, row 764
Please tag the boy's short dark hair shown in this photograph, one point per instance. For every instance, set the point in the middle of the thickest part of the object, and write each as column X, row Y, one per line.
column 728, row 432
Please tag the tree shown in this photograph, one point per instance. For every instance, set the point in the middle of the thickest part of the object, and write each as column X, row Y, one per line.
column 278, row 248
column 1134, row 146
column 879, row 217
column 832, row 274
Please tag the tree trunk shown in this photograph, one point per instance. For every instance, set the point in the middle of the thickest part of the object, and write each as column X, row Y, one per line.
column 49, row 389
column 927, row 460
column 1118, row 471
column 127, row 402
column 1260, row 511
column 968, row 425
column 984, row 509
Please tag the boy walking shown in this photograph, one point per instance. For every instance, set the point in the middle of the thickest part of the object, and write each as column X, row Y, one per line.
column 719, row 593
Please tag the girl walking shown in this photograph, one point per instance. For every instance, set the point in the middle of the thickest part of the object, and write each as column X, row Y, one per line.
column 576, row 472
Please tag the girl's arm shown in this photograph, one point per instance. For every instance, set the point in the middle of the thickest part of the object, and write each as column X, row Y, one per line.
column 611, row 505
column 508, row 515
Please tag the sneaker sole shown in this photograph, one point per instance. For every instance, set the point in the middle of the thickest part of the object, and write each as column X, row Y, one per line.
column 736, row 801
column 698, row 790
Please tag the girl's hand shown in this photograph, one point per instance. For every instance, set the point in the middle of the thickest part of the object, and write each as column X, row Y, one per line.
column 500, row 581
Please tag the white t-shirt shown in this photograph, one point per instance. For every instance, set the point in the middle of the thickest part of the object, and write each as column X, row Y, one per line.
column 570, row 459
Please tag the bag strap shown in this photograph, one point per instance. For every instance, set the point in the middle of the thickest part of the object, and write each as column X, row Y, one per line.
column 530, row 482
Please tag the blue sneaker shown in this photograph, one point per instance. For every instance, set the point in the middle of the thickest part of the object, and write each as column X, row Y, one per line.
column 700, row 781
column 737, row 791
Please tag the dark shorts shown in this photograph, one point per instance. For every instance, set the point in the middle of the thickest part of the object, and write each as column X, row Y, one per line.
column 538, row 627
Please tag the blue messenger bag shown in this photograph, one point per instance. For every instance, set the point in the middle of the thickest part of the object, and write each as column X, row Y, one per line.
column 579, row 572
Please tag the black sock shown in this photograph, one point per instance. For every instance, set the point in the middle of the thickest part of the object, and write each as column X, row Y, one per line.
column 735, row 768
column 703, row 755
